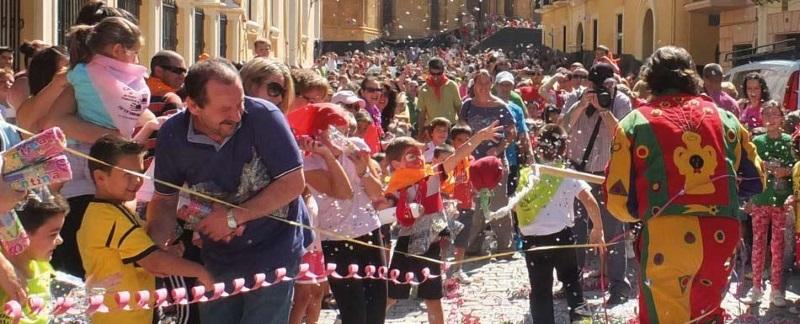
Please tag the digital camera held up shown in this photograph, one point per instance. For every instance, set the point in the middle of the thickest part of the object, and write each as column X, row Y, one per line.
column 603, row 96
column 598, row 74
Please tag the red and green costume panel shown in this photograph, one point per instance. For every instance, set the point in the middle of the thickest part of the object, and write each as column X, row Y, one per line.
column 681, row 166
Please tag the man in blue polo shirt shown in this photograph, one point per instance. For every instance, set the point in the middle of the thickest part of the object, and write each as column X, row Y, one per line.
column 240, row 150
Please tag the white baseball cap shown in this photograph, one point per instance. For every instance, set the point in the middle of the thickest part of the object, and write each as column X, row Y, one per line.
column 504, row 76
column 359, row 144
column 348, row 97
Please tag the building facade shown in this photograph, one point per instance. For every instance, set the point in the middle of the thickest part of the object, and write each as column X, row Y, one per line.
column 219, row 28
column 770, row 29
column 632, row 29
column 358, row 22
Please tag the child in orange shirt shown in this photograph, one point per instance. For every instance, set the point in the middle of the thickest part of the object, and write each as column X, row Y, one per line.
column 416, row 189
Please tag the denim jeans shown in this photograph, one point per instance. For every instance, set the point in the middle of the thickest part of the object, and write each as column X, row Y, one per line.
column 268, row 305
column 617, row 266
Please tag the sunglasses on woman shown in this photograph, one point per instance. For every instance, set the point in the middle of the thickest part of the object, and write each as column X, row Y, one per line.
column 274, row 89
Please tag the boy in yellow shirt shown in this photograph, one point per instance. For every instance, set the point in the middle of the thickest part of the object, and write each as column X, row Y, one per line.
column 111, row 239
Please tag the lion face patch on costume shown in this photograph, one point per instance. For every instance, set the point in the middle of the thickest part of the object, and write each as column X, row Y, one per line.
column 697, row 163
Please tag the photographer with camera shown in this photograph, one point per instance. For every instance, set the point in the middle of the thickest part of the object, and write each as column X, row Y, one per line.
column 591, row 123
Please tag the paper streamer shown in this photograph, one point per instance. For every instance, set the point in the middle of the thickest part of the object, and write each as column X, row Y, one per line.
column 533, row 178
column 38, row 148
column 199, row 294
column 52, row 171
column 539, row 169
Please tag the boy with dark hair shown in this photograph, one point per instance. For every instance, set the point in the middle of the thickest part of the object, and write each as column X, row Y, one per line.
column 111, row 239
column 416, row 188
column 460, row 189
column 437, row 133
column 545, row 217
column 442, row 152
column 42, row 219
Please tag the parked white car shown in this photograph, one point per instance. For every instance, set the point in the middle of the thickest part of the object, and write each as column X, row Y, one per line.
column 781, row 76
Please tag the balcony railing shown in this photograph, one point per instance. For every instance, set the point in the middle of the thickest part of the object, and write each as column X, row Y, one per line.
column 786, row 49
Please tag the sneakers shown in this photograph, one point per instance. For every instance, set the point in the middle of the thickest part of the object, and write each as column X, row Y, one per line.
column 580, row 314
column 776, row 298
column 754, row 297
column 590, row 273
column 582, row 310
column 616, row 299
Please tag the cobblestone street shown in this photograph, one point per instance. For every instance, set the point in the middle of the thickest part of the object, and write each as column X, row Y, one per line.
column 499, row 294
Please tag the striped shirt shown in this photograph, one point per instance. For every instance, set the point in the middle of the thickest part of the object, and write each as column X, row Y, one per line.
column 581, row 132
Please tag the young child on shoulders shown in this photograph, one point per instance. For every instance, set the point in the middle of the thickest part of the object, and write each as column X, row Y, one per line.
column 112, row 240
column 416, row 188
column 42, row 220
column 545, row 218
column 108, row 82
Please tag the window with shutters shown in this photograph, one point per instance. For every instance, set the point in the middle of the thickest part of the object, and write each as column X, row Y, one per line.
column 131, row 6
column 199, row 32
column 223, row 35
column 169, row 20
column 67, row 16
column 619, row 34
column 10, row 23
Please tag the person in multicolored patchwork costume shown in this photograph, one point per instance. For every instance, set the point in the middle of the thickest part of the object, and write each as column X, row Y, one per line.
column 681, row 166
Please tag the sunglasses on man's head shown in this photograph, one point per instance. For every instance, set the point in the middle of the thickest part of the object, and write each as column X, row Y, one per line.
column 174, row 69
column 274, row 89
column 373, row 90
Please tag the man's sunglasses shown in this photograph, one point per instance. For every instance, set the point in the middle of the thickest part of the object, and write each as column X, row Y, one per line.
column 373, row 90
column 435, row 72
column 274, row 89
column 174, row 69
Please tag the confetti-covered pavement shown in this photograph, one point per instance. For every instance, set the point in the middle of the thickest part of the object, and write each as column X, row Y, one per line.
column 499, row 294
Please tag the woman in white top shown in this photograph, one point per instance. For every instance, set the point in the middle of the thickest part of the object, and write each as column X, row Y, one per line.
column 349, row 216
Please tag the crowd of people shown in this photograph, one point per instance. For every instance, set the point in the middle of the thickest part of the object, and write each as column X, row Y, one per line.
column 438, row 139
